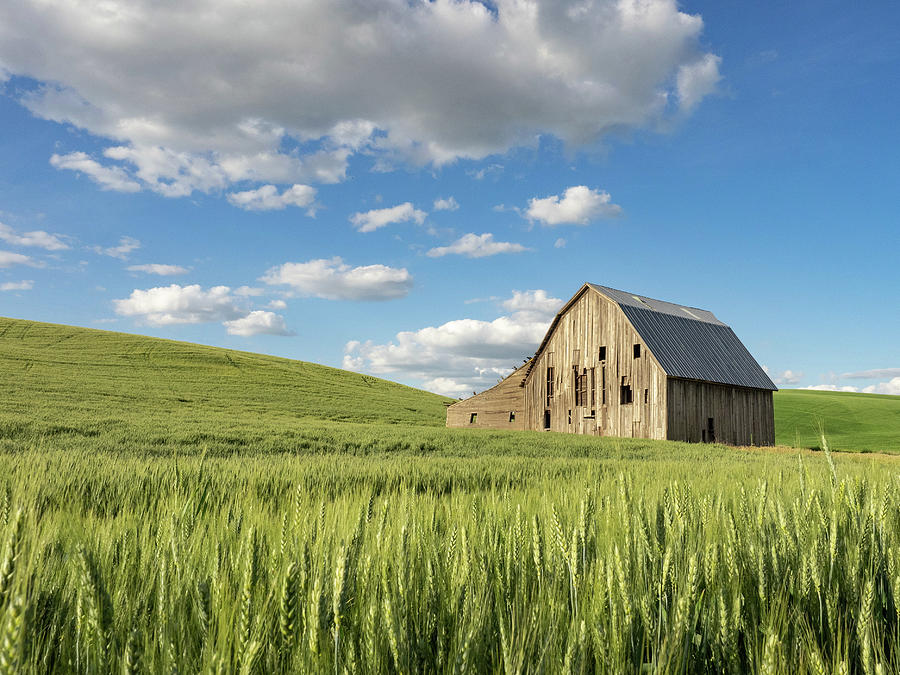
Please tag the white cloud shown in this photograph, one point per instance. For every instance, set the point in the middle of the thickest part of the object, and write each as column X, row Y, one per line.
column 476, row 246
column 695, row 81
column 559, row 243
column 872, row 374
column 370, row 221
column 449, row 204
column 17, row 285
column 463, row 355
column 892, row 387
column 249, row 291
column 258, row 322
column 8, row 259
column 159, row 269
column 333, row 279
column 38, row 238
column 830, row 387
column 267, row 198
column 107, row 177
column 579, row 206
column 166, row 305
column 277, row 304
column 125, row 247
column 785, row 377
column 308, row 84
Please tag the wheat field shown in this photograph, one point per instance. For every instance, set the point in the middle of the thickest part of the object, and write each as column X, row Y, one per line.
column 346, row 564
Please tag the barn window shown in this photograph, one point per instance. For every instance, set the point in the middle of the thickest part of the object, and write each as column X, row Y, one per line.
column 592, row 385
column 570, row 417
column 637, row 351
column 603, row 385
column 581, row 386
column 546, row 419
column 512, row 416
column 625, row 394
column 646, row 396
column 473, row 418
column 549, row 384
column 603, row 353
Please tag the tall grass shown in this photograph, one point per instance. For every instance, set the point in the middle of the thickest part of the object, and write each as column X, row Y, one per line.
column 408, row 564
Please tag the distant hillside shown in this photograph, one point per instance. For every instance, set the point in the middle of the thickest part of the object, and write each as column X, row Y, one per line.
column 866, row 422
column 60, row 380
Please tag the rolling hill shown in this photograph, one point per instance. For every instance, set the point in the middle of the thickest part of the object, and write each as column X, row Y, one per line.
column 67, row 381
column 113, row 390
column 856, row 422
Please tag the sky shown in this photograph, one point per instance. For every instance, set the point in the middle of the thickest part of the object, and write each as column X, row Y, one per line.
column 413, row 189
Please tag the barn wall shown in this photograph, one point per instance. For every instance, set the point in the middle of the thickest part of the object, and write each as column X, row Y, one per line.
column 493, row 406
column 740, row 416
column 590, row 322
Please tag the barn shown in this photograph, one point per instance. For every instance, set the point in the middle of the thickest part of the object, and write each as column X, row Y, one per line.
column 615, row 363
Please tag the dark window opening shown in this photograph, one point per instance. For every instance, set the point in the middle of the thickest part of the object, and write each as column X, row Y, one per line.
column 546, row 419
column 549, row 384
column 625, row 394
column 512, row 416
column 577, row 385
column 637, row 351
column 603, row 384
column 570, row 417
column 603, row 353
column 473, row 418
column 710, row 430
column 646, row 396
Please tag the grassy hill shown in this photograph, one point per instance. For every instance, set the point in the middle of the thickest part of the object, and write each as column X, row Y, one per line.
column 79, row 382
column 861, row 422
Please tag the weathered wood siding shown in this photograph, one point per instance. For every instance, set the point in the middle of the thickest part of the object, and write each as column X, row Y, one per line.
column 590, row 322
column 493, row 406
column 740, row 416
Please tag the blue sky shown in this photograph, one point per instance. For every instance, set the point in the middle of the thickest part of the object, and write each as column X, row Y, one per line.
column 413, row 189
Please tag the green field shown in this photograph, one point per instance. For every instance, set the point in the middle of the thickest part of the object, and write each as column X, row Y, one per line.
column 174, row 508
column 854, row 422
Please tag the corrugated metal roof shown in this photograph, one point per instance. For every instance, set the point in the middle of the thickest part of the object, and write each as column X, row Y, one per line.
column 689, row 342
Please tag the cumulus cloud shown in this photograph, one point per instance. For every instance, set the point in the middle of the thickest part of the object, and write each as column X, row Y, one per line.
column 107, row 177
column 277, row 304
column 476, row 246
column 17, row 285
column 370, row 221
column 333, row 279
column 579, row 205
column 449, row 204
column 167, row 305
column 462, row 355
column 892, row 387
column 258, row 322
column 124, row 248
column 37, row 238
column 8, row 259
column 309, row 84
column 159, row 269
column 267, row 198
column 830, row 387
column 695, row 81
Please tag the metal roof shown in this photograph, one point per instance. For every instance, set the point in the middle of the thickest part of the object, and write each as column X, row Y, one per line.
column 688, row 342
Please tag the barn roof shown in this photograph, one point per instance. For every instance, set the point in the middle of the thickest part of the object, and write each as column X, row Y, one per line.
column 687, row 342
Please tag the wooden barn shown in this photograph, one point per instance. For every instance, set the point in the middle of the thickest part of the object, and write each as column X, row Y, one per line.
column 618, row 364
